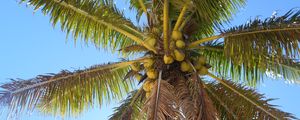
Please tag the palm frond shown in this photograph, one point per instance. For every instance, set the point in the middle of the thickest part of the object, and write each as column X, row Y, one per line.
column 161, row 104
column 130, row 107
column 240, row 108
column 250, row 73
column 277, row 38
column 67, row 92
column 211, row 13
column 99, row 21
column 137, row 5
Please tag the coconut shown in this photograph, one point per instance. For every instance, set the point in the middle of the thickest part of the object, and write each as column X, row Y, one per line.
column 147, row 86
column 152, row 74
column 148, row 94
column 202, row 60
column 148, row 63
column 138, row 77
column 151, row 41
column 180, row 44
column 135, row 67
column 168, row 59
column 179, row 55
column 203, row 71
column 176, row 35
column 184, row 66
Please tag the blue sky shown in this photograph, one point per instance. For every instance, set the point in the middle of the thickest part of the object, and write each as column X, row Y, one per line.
column 30, row 46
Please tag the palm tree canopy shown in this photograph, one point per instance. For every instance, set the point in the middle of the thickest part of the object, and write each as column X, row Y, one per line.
column 177, row 47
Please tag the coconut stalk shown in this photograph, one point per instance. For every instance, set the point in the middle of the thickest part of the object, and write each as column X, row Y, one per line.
column 180, row 18
column 166, row 26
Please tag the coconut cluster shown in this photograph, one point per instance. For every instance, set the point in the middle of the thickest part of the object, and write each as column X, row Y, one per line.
column 147, row 69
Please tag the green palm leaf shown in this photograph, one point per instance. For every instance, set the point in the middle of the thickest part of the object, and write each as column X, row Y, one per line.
column 68, row 92
column 98, row 21
column 250, row 73
column 232, row 106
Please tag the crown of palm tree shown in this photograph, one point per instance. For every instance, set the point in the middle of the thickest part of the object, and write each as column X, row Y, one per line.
column 179, row 50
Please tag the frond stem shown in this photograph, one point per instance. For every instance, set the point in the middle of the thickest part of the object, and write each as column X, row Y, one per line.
column 180, row 18
column 240, row 94
column 196, row 43
column 185, row 21
column 157, row 95
column 166, row 25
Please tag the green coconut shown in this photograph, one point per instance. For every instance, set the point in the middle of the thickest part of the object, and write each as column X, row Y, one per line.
column 168, row 59
column 148, row 63
column 201, row 60
column 151, row 41
column 198, row 66
column 135, row 67
column 180, row 44
column 138, row 77
column 184, row 66
column 203, row 71
column 176, row 35
column 152, row 74
column 179, row 55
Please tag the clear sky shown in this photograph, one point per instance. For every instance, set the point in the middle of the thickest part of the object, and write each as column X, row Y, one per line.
column 30, row 46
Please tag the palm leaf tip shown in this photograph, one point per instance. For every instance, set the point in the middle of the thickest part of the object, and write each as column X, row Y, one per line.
column 67, row 92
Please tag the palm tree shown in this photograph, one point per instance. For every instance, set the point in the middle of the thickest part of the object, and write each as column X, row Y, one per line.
column 187, row 66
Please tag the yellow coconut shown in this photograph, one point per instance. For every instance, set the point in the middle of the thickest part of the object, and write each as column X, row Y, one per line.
column 176, row 35
column 147, row 86
column 180, row 44
column 135, row 66
column 168, row 59
column 148, row 94
column 152, row 74
column 184, row 66
column 202, row 60
column 148, row 63
column 203, row 71
column 151, row 41
column 138, row 77
column 179, row 55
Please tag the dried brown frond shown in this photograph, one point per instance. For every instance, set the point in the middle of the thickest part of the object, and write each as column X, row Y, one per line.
column 203, row 106
column 165, row 101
